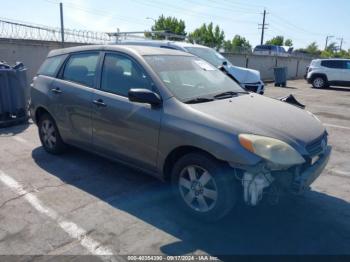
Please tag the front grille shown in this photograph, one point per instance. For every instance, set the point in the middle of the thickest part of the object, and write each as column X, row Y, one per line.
column 317, row 146
column 251, row 88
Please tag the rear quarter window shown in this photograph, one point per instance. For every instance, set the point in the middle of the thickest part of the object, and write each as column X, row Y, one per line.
column 51, row 65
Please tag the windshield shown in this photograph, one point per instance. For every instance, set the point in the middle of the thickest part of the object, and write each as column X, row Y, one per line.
column 208, row 55
column 189, row 77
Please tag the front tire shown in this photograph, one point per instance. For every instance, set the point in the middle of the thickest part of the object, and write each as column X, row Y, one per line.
column 49, row 135
column 319, row 82
column 203, row 186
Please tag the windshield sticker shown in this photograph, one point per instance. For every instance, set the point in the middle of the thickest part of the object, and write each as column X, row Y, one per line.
column 204, row 65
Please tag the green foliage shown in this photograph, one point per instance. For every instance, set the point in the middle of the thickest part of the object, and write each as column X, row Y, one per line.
column 238, row 43
column 288, row 42
column 208, row 35
column 312, row 49
column 171, row 24
column 332, row 47
column 277, row 40
column 332, row 51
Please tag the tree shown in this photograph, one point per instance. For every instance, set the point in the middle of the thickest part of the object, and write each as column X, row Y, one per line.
column 208, row 35
column 170, row 24
column 332, row 47
column 288, row 42
column 278, row 40
column 238, row 43
column 312, row 49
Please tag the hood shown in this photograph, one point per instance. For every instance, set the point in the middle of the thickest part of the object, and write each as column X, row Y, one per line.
column 244, row 75
column 256, row 114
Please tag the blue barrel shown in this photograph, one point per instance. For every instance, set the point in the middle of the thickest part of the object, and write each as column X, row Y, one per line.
column 14, row 94
column 280, row 76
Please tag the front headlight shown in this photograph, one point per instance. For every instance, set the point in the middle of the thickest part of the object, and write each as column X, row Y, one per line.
column 274, row 150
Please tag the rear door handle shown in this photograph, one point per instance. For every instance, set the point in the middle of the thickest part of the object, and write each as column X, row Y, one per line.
column 99, row 102
column 56, row 90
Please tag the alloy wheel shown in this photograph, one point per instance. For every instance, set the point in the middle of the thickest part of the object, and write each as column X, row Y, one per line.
column 318, row 82
column 48, row 133
column 198, row 188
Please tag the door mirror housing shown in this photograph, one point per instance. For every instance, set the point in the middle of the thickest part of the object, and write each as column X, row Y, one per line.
column 145, row 96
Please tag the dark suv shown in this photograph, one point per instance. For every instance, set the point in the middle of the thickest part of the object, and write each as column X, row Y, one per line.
column 180, row 119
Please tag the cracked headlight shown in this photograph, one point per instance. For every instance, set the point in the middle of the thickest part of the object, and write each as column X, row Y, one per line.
column 271, row 149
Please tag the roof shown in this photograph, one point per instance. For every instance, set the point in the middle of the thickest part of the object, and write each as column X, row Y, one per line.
column 141, row 50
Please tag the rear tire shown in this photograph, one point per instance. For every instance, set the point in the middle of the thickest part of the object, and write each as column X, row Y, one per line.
column 204, row 187
column 319, row 82
column 49, row 135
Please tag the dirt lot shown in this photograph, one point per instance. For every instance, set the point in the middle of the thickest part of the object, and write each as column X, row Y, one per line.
column 81, row 204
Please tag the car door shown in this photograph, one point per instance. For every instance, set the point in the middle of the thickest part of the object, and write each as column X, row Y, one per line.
column 346, row 72
column 73, row 92
column 123, row 129
column 333, row 69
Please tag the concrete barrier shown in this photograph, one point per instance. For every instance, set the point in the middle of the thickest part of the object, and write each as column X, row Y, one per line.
column 265, row 64
column 32, row 53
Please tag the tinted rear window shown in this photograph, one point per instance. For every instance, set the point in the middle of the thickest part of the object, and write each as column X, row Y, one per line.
column 81, row 68
column 333, row 63
column 51, row 65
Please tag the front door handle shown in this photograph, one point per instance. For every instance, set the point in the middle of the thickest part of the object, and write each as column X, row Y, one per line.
column 99, row 102
column 56, row 90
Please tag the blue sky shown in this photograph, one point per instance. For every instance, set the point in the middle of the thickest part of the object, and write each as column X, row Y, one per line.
column 304, row 21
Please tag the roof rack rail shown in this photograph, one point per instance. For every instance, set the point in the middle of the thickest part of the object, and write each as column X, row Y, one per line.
column 145, row 34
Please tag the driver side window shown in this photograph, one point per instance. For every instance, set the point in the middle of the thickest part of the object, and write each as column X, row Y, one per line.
column 120, row 74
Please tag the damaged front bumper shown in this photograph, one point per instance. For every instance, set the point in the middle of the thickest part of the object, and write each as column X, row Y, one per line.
column 303, row 180
column 295, row 180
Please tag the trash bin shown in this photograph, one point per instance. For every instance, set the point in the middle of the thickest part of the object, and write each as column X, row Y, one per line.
column 280, row 76
column 13, row 94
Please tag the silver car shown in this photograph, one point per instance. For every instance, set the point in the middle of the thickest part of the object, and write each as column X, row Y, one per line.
column 177, row 117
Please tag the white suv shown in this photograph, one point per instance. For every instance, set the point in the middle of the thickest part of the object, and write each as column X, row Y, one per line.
column 326, row 72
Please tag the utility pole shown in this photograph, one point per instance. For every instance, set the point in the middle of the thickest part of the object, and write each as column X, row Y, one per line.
column 263, row 27
column 341, row 43
column 328, row 36
column 62, row 24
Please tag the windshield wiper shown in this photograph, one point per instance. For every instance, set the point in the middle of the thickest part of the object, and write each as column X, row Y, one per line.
column 227, row 94
column 198, row 100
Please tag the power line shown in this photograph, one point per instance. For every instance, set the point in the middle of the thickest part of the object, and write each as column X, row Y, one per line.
column 280, row 19
column 96, row 12
column 225, row 8
column 162, row 5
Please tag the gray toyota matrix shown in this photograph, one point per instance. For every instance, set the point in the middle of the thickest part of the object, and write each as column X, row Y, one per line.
column 176, row 117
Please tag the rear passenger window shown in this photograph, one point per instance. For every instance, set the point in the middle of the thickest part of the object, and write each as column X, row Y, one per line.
column 51, row 65
column 120, row 74
column 333, row 63
column 81, row 68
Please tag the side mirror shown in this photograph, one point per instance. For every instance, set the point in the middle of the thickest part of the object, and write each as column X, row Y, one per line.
column 146, row 96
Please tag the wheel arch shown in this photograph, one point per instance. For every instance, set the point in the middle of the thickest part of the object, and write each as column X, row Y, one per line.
column 177, row 153
column 324, row 76
column 39, row 111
